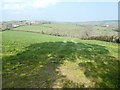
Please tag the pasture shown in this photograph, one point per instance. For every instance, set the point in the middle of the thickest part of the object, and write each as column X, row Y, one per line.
column 69, row 30
column 35, row 60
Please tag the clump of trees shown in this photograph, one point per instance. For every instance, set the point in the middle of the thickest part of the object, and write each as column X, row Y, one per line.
column 6, row 27
column 85, row 36
column 115, row 39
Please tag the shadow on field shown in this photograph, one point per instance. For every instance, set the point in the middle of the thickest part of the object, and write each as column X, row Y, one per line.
column 38, row 65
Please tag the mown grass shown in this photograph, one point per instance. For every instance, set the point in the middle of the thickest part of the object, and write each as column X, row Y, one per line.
column 33, row 60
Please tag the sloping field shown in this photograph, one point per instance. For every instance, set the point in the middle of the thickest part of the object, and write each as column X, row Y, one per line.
column 71, row 30
column 32, row 60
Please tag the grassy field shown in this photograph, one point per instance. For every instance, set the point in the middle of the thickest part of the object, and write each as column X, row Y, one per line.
column 32, row 60
column 71, row 30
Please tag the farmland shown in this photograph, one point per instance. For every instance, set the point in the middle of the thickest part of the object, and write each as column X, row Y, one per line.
column 34, row 57
column 71, row 30
column 59, row 44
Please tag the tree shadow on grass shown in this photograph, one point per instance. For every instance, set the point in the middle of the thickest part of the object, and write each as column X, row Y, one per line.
column 37, row 67
column 102, row 71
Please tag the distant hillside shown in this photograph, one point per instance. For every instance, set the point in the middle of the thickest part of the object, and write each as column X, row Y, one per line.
column 100, row 22
column 111, row 21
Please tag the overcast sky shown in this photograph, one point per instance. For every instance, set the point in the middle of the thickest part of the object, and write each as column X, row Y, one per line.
column 59, row 10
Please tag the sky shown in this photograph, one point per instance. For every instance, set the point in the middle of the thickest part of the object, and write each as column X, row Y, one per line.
column 59, row 10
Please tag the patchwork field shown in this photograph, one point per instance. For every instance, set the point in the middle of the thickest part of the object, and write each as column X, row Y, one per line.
column 70, row 30
column 34, row 60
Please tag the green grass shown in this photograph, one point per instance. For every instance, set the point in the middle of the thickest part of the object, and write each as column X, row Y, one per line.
column 69, row 29
column 33, row 60
column 49, row 27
